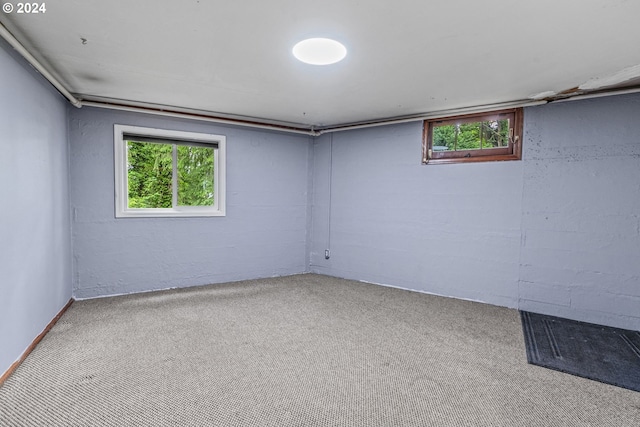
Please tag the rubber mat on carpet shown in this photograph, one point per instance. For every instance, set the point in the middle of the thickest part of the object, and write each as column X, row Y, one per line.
column 601, row 353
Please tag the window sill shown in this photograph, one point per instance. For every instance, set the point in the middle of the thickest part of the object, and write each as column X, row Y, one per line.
column 477, row 159
column 168, row 213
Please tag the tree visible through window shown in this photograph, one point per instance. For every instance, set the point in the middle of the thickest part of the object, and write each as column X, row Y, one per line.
column 150, row 175
column 481, row 137
column 161, row 175
column 195, row 176
column 471, row 136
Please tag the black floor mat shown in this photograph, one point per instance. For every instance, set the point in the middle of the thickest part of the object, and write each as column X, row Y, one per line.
column 600, row 353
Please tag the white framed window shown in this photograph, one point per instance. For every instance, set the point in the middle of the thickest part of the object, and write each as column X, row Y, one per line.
column 166, row 173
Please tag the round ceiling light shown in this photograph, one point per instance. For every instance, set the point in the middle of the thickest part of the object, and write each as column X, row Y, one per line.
column 319, row 51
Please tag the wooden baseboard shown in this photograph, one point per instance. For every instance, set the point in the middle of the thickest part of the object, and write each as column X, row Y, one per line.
column 35, row 342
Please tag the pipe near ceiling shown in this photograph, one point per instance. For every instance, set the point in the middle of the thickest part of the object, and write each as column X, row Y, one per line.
column 6, row 34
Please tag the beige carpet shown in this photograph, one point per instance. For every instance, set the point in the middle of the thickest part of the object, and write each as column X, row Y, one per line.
column 304, row 350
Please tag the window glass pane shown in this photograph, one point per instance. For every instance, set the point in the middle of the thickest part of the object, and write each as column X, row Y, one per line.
column 149, row 175
column 195, row 176
column 471, row 135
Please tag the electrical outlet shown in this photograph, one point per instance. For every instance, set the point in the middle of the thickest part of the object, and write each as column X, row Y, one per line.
column 327, row 254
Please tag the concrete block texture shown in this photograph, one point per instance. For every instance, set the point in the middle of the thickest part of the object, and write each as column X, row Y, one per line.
column 580, row 209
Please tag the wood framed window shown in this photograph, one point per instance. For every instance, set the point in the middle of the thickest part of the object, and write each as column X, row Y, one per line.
column 483, row 137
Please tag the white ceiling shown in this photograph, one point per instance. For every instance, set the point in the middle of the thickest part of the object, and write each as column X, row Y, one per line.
column 406, row 57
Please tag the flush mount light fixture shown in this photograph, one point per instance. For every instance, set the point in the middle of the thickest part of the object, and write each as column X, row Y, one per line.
column 319, row 51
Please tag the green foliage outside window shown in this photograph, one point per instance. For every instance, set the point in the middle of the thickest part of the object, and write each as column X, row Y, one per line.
column 150, row 175
column 195, row 176
column 471, row 136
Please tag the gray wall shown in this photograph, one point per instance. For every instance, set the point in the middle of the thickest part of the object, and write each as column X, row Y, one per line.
column 264, row 233
column 580, row 254
column 557, row 233
column 452, row 230
column 35, row 254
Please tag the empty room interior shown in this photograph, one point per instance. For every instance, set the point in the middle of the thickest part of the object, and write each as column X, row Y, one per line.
column 205, row 224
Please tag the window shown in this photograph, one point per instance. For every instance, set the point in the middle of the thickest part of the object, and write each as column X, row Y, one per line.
column 473, row 138
column 160, row 173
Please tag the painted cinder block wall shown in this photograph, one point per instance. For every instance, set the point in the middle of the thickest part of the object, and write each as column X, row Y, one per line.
column 264, row 233
column 35, row 252
column 580, row 251
column 556, row 233
column 452, row 230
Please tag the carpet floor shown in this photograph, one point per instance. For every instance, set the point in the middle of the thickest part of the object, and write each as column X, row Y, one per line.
column 303, row 350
